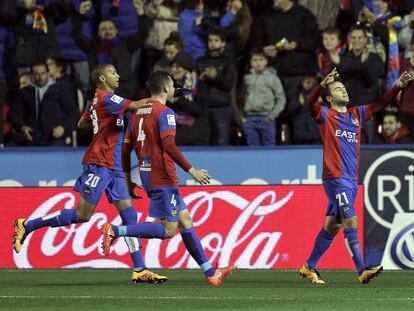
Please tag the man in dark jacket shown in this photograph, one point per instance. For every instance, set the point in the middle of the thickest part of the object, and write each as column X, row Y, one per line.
column 44, row 112
column 393, row 132
column 288, row 34
column 217, row 74
column 360, row 71
column 111, row 48
column 34, row 29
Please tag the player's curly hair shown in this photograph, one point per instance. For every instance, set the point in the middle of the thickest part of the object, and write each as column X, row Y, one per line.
column 98, row 70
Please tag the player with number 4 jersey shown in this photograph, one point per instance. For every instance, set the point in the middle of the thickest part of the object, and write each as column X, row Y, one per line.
column 152, row 134
column 340, row 129
column 102, row 170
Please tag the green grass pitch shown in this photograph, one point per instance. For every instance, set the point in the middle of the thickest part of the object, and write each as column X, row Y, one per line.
column 111, row 289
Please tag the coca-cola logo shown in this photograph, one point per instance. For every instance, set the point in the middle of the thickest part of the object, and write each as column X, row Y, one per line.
column 158, row 253
column 253, row 226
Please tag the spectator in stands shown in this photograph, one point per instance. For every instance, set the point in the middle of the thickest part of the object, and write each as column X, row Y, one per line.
column 110, row 48
column 172, row 46
column 44, row 112
column 305, row 129
column 331, row 43
column 121, row 12
column 236, row 23
column 393, row 132
column 164, row 17
column 376, row 32
column 34, row 28
column 407, row 96
column 263, row 101
column 68, row 49
column 288, row 34
column 325, row 11
column 191, row 115
column 25, row 79
column 405, row 36
column 194, row 37
column 360, row 71
column 57, row 68
column 192, row 24
column 216, row 73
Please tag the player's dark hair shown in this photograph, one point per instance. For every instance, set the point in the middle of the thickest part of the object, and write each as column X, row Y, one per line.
column 98, row 70
column 40, row 64
column 157, row 81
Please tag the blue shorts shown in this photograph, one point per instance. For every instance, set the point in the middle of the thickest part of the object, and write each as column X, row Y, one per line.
column 97, row 179
column 341, row 194
column 166, row 202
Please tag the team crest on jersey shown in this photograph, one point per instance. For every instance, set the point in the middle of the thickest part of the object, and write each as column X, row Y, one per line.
column 116, row 99
column 174, row 212
column 355, row 121
column 171, row 119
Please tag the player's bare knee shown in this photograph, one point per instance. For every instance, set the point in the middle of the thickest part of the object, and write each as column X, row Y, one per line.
column 84, row 217
column 185, row 220
column 351, row 222
column 332, row 226
column 170, row 229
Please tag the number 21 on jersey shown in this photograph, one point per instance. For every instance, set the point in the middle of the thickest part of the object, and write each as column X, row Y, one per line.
column 339, row 197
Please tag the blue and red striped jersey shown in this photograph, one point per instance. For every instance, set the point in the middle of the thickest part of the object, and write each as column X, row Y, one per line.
column 106, row 113
column 149, row 125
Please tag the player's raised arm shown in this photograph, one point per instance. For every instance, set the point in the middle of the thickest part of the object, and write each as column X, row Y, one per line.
column 380, row 103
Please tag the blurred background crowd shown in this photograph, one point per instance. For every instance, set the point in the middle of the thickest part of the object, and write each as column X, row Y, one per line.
column 246, row 66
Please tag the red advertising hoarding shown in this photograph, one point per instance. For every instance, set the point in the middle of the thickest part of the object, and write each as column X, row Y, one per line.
column 257, row 227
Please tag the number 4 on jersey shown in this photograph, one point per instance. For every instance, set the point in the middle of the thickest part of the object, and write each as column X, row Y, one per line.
column 141, row 134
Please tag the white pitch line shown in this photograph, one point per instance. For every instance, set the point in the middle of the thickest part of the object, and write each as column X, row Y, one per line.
column 198, row 298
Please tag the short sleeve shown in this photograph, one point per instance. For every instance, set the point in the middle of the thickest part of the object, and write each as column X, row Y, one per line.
column 166, row 123
column 116, row 105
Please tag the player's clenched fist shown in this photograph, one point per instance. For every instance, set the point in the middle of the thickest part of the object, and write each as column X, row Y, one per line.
column 200, row 176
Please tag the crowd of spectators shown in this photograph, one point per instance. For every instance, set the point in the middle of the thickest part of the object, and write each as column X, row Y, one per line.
column 244, row 67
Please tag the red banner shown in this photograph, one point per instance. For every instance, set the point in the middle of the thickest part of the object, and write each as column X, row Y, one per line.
column 253, row 226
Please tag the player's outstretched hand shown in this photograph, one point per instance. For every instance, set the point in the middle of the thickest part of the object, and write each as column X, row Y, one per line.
column 330, row 78
column 404, row 79
column 200, row 176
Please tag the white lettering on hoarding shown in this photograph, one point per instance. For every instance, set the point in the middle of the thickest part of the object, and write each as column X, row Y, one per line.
column 222, row 246
column 390, row 195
